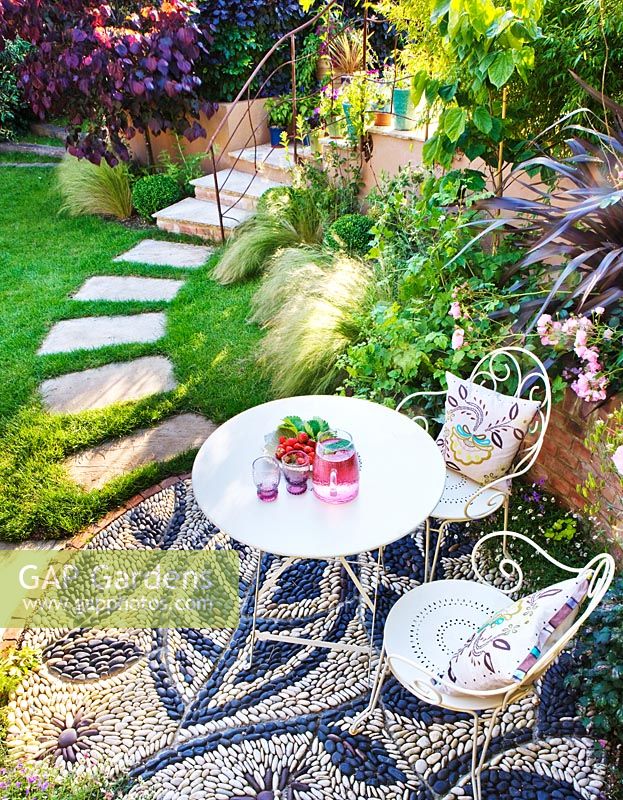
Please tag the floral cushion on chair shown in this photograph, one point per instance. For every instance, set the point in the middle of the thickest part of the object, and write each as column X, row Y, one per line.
column 508, row 644
column 483, row 429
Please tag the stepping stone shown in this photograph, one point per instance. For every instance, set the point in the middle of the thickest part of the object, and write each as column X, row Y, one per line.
column 88, row 333
column 111, row 287
column 93, row 468
column 167, row 254
column 103, row 386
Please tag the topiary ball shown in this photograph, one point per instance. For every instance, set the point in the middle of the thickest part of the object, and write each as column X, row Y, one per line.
column 351, row 233
column 153, row 193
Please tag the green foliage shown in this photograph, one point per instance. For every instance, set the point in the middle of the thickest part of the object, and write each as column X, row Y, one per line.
column 12, row 106
column 290, row 216
column 604, row 440
column 152, row 193
column 90, row 189
column 599, row 679
column 351, row 233
column 39, row 781
column 14, row 667
column 363, row 96
column 565, row 535
column 488, row 44
column 279, row 111
column 300, row 352
column 585, row 36
column 183, row 170
column 288, row 220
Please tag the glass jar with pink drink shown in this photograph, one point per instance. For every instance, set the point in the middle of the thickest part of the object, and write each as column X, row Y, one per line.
column 335, row 477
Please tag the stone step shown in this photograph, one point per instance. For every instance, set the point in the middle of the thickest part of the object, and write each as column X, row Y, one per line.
column 198, row 218
column 95, row 467
column 272, row 163
column 89, row 333
column 118, row 288
column 104, row 386
column 167, row 254
column 235, row 187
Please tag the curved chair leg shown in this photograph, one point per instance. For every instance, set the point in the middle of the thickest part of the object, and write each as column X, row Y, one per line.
column 379, row 678
column 440, row 537
column 479, row 761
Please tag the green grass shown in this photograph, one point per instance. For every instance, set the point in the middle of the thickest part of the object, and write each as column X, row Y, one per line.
column 44, row 258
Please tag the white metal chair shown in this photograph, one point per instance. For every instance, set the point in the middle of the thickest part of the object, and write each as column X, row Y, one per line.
column 430, row 623
column 503, row 370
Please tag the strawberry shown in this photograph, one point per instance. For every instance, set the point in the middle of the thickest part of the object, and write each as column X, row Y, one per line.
column 302, row 437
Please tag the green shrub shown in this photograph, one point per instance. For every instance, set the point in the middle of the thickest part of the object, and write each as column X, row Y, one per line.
column 312, row 330
column 565, row 535
column 14, row 666
column 183, row 170
column 600, row 676
column 288, row 219
column 153, row 193
column 290, row 273
column 351, row 233
column 94, row 189
column 12, row 106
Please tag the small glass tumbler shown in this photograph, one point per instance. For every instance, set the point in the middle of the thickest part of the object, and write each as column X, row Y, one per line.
column 266, row 476
column 295, row 466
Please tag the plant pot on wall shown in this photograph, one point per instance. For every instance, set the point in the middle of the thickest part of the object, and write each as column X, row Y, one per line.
column 275, row 135
column 323, row 68
column 403, row 110
column 383, row 119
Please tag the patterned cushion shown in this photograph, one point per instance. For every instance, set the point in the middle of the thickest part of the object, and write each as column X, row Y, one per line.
column 508, row 644
column 483, row 429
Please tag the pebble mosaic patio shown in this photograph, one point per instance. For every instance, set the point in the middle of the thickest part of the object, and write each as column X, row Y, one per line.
column 182, row 712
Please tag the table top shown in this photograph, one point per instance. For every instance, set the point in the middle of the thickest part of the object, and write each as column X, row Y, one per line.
column 401, row 480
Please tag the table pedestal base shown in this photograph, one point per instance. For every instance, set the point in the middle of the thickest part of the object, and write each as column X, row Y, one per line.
column 371, row 603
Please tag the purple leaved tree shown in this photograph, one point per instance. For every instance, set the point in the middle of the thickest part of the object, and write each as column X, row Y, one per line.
column 111, row 69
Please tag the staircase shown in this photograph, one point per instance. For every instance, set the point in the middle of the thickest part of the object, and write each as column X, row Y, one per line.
column 256, row 169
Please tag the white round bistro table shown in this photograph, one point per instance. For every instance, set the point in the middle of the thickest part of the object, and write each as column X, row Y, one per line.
column 401, row 480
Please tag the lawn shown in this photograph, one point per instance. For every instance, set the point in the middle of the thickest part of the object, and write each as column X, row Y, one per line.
column 44, row 258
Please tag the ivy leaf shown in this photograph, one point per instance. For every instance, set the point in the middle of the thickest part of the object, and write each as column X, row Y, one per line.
column 501, row 69
column 482, row 120
column 454, row 120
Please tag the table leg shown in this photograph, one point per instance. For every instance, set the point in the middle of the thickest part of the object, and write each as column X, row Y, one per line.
column 268, row 584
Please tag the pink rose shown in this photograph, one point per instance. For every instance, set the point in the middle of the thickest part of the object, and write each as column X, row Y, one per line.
column 455, row 310
column 543, row 323
column 617, row 458
column 581, row 337
column 458, row 337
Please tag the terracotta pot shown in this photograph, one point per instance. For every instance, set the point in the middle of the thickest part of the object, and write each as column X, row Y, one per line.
column 383, row 119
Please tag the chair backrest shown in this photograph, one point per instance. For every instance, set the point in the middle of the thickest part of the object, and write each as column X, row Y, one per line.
column 517, row 372
column 601, row 569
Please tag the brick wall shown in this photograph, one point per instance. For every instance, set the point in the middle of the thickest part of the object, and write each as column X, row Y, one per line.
column 564, row 461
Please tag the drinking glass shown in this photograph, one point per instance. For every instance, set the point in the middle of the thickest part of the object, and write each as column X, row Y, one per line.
column 266, row 476
column 295, row 467
column 336, row 467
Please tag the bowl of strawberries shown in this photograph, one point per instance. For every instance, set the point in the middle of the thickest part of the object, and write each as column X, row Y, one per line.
column 294, row 434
